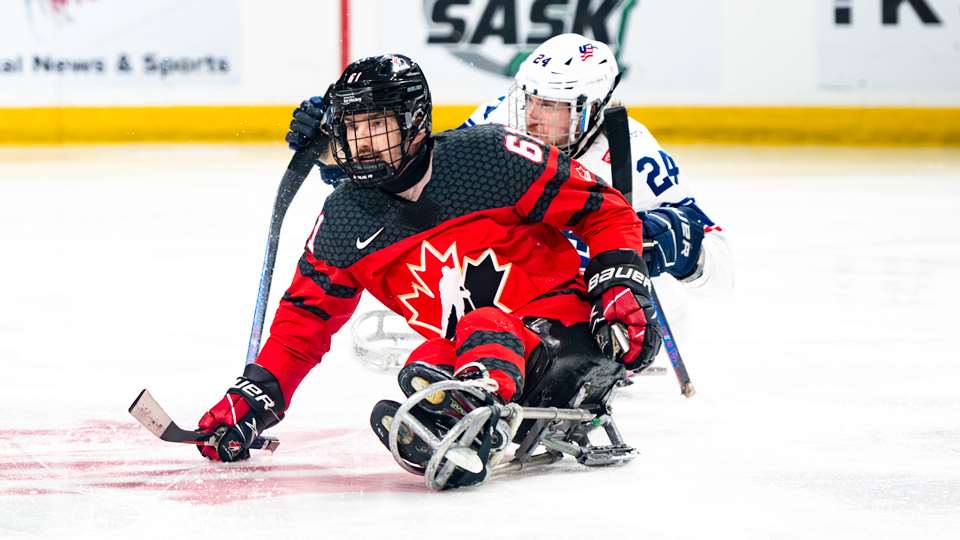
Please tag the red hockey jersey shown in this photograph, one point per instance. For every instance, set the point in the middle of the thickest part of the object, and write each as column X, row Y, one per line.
column 486, row 231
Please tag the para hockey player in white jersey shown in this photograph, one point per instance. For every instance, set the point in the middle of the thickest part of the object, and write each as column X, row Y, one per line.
column 560, row 95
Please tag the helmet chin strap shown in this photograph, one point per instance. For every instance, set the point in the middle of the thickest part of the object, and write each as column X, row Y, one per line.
column 586, row 139
column 413, row 172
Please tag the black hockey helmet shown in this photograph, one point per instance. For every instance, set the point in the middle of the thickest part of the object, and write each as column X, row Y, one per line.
column 365, row 101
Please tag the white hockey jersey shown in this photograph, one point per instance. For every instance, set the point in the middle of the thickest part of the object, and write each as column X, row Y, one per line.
column 656, row 181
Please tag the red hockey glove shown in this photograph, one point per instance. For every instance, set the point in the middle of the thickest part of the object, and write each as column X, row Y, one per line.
column 251, row 405
column 623, row 319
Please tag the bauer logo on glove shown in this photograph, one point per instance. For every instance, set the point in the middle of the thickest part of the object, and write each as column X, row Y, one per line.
column 253, row 404
column 622, row 319
column 619, row 272
column 249, row 388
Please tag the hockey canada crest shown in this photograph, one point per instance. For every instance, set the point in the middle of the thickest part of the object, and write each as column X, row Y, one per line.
column 445, row 287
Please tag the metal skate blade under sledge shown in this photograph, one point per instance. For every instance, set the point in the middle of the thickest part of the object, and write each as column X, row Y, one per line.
column 564, row 431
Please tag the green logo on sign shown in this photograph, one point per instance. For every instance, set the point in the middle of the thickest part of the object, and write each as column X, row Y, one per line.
column 497, row 35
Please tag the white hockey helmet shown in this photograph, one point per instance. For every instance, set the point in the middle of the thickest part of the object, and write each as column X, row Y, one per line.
column 561, row 90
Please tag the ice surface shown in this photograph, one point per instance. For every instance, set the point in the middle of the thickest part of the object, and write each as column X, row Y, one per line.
column 827, row 405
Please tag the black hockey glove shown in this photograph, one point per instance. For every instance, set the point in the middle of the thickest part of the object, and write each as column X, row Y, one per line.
column 678, row 235
column 253, row 404
column 306, row 126
column 623, row 319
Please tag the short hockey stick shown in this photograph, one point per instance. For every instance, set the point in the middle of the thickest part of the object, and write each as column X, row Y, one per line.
column 617, row 129
column 676, row 361
column 146, row 409
column 679, row 368
column 297, row 170
column 149, row 413
column 618, row 135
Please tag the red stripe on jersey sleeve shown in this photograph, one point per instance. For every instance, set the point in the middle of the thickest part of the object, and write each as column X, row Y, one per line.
column 312, row 310
column 614, row 225
column 529, row 199
column 605, row 222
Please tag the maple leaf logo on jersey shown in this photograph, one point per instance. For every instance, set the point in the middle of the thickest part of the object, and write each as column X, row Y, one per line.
column 446, row 287
column 582, row 172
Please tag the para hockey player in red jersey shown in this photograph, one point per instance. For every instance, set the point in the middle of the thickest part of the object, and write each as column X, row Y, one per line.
column 460, row 233
column 561, row 95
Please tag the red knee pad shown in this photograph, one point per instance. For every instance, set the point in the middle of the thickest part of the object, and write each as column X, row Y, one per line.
column 492, row 342
column 437, row 352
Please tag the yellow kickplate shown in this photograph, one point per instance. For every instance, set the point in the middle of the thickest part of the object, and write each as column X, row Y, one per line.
column 780, row 125
column 833, row 125
column 419, row 383
column 404, row 437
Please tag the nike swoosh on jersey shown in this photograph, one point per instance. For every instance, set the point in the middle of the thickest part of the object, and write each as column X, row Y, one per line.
column 362, row 244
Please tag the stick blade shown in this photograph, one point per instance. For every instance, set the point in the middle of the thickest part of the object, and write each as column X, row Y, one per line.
column 149, row 413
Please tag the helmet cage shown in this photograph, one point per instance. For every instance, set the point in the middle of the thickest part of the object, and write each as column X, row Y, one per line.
column 552, row 124
column 578, row 74
column 369, row 146
column 379, row 122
